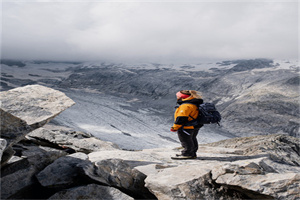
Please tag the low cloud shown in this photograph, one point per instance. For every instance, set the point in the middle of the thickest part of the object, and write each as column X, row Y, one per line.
column 149, row 31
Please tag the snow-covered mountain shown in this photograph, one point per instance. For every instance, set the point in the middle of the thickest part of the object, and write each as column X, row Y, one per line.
column 132, row 105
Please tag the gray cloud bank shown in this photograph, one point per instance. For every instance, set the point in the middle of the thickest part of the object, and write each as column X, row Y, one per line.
column 149, row 31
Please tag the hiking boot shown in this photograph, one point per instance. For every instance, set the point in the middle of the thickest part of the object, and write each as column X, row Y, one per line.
column 182, row 157
column 192, row 157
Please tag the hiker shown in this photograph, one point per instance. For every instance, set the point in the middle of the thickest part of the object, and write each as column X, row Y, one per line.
column 189, row 101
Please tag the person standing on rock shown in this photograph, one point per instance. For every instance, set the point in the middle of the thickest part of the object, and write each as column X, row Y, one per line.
column 189, row 101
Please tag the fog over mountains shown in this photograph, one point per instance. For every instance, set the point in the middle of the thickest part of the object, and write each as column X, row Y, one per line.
column 133, row 104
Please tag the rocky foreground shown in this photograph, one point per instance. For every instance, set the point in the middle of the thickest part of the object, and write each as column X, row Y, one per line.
column 43, row 161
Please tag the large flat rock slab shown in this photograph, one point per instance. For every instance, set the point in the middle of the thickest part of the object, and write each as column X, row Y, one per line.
column 78, row 141
column 35, row 104
column 278, row 186
column 218, row 172
column 27, row 108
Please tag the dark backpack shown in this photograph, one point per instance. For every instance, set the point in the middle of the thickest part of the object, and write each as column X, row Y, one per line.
column 208, row 114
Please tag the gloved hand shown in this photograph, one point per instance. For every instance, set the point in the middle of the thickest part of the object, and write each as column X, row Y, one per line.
column 173, row 130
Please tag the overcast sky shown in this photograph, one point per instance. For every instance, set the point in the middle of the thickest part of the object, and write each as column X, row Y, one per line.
column 149, row 31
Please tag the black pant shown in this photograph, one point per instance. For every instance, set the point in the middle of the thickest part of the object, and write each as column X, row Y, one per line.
column 188, row 139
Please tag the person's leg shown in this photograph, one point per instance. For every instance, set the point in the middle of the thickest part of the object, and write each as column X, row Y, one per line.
column 186, row 139
column 195, row 142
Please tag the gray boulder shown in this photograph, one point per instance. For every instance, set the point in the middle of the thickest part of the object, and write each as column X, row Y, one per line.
column 19, row 173
column 26, row 108
column 17, row 182
column 92, row 191
column 40, row 156
column 35, row 104
column 182, row 182
column 64, row 172
column 120, row 174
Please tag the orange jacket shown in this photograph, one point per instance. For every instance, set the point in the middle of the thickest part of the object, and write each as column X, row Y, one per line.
column 186, row 112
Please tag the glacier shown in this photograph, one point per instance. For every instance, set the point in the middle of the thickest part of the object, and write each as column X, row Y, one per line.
column 132, row 105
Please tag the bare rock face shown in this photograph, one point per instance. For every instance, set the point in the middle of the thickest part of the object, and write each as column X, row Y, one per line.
column 26, row 108
column 91, row 191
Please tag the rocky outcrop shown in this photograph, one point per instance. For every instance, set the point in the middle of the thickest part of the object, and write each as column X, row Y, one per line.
column 18, row 175
column 27, row 108
column 34, row 104
column 222, row 170
column 51, row 163
column 31, row 155
column 64, row 171
column 218, row 172
column 122, row 174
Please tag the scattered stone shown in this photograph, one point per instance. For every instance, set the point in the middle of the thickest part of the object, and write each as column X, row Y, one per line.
column 91, row 191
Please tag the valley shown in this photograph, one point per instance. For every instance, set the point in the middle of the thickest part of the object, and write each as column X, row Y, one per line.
column 133, row 104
